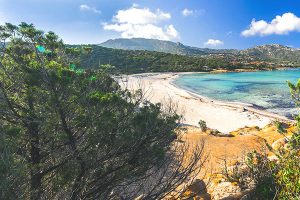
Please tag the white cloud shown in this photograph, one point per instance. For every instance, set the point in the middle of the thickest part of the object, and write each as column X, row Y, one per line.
column 85, row 7
column 187, row 12
column 281, row 25
column 137, row 22
column 136, row 15
column 213, row 43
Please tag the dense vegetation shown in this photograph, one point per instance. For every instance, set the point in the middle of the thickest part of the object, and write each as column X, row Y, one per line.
column 273, row 54
column 138, row 61
column 70, row 133
column 160, row 46
column 147, row 61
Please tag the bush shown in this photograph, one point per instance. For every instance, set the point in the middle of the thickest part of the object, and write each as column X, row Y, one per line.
column 255, row 171
column 288, row 177
column 280, row 127
column 202, row 125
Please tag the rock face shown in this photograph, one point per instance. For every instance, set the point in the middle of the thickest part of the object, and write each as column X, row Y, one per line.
column 226, row 190
column 197, row 190
column 217, row 187
column 280, row 143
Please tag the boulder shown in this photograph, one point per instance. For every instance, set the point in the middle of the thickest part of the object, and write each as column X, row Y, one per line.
column 280, row 143
column 197, row 190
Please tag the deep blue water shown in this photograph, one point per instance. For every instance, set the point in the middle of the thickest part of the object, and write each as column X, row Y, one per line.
column 266, row 89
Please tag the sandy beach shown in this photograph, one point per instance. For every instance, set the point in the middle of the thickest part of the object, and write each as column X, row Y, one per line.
column 223, row 116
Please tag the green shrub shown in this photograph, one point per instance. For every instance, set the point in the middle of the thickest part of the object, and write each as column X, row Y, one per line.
column 255, row 171
column 288, row 177
column 202, row 125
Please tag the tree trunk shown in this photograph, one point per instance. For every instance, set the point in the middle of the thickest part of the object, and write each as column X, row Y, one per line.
column 36, row 176
column 35, row 152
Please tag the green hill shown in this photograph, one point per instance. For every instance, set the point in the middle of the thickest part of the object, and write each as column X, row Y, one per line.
column 275, row 53
column 160, row 46
column 138, row 61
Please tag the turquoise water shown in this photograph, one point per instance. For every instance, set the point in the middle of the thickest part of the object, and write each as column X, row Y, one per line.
column 265, row 89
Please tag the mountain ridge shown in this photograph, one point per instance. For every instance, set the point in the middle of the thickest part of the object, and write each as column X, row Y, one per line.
column 276, row 53
column 159, row 46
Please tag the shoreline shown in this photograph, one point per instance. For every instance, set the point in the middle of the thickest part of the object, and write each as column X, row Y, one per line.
column 220, row 115
column 234, row 104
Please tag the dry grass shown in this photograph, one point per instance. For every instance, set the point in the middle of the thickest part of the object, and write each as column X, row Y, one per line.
column 218, row 148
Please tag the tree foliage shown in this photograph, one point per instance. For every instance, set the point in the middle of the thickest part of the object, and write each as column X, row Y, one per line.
column 70, row 133
column 138, row 61
column 202, row 125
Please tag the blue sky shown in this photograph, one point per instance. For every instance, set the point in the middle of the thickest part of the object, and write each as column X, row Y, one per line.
column 202, row 23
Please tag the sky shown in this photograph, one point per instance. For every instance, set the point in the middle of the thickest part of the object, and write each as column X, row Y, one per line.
column 236, row 24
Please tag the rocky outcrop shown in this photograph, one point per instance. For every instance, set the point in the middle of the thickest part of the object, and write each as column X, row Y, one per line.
column 216, row 186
